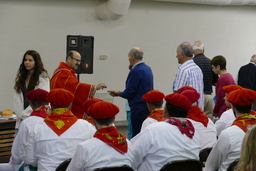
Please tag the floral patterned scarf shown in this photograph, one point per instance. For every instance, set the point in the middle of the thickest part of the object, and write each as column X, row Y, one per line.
column 184, row 125
column 157, row 114
column 244, row 120
column 41, row 111
column 112, row 137
column 60, row 120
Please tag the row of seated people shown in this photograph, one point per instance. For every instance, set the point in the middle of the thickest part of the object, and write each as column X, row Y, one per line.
column 44, row 141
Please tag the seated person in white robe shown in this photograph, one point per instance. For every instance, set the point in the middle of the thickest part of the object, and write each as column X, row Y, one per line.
column 174, row 138
column 154, row 101
column 227, row 117
column 56, row 139
column 228, row 146
column 203, row 125
column 108, row 147
column 39, row 105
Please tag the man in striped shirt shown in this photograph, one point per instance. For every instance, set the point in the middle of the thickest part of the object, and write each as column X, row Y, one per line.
column 189, row 74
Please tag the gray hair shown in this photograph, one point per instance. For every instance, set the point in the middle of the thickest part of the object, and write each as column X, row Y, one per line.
column 198, row 45
column 136, row 52
column 186, row 49
column 253, row 59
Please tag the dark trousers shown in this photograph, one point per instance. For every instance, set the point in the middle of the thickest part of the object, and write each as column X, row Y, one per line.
column 138, row 114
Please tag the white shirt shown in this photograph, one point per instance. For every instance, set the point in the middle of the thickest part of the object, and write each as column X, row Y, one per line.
column 19, row 144
column 47, row 150
column 147, row 122
column 21, row 139
column 95, row 153
column 226, row 120
column 207, row 134
column 160, row 143
column 226, row 150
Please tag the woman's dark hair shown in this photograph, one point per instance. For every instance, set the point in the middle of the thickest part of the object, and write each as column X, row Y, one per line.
column 219, row 60
column 23, row 72
column 175, row 111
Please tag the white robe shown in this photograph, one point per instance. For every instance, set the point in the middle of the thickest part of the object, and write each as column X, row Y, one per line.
column 207, row 134
column 20, row 142
column 47, row 150
column 95, row 153
column 160, row 143
column 147, row 122
column 226, row 149
column 225, row 121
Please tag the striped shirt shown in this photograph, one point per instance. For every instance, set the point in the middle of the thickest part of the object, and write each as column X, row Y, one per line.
column 189, row 74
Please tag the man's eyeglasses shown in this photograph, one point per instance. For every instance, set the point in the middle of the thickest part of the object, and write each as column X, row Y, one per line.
column 77, row 60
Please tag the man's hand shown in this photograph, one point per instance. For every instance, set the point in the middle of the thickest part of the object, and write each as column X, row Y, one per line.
column 113, row 93
column 101, row 86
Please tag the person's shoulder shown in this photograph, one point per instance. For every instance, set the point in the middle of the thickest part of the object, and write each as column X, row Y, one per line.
column 158, row 126
column 33, row 118
column 85, row 124
column 232, row 130
column 44, row 75
column 92, row 144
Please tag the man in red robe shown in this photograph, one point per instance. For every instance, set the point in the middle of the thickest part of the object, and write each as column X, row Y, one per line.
column 64, row 77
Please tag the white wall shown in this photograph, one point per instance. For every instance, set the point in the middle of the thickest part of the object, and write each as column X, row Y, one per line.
column 156, row 27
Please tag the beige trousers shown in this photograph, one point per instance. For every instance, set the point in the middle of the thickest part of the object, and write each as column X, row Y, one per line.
column 208, row 105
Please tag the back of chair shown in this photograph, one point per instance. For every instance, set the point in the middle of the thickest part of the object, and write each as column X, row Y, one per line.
column 115, row 168
column 183, row 165
column 204, row 153
column 233, row 165
column 63, row 166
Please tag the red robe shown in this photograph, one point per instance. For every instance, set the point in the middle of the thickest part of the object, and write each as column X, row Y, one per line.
column 64, row 77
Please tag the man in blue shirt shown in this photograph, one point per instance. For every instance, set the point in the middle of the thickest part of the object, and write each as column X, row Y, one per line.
column 138, row 82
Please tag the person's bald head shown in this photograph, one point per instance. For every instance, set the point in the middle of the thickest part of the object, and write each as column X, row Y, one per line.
column 253, row 59
column 136, row 52
column 73, row 59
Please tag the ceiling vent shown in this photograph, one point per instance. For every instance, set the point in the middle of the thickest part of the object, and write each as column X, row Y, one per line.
column 111, row 9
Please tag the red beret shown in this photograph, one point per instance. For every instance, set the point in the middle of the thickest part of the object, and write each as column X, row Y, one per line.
column 153, row 96
column 230, row 88
column 241, row 97
column 37, row 95
column 185, row 88
column 192, row 95
column 89, row 102
column 60, row 97
column 102, row 110
column 178, row 100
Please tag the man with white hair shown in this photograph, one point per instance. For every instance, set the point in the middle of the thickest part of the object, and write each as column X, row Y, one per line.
column 247, row 76
column 189, row 74
column 209, row 77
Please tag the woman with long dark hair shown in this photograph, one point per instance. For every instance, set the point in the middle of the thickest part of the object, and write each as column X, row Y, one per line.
column 31, row 75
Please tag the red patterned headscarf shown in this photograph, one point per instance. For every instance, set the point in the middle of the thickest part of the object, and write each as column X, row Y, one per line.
column 185, row 127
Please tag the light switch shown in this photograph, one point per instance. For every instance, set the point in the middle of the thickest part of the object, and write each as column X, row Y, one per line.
column 103, row 57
